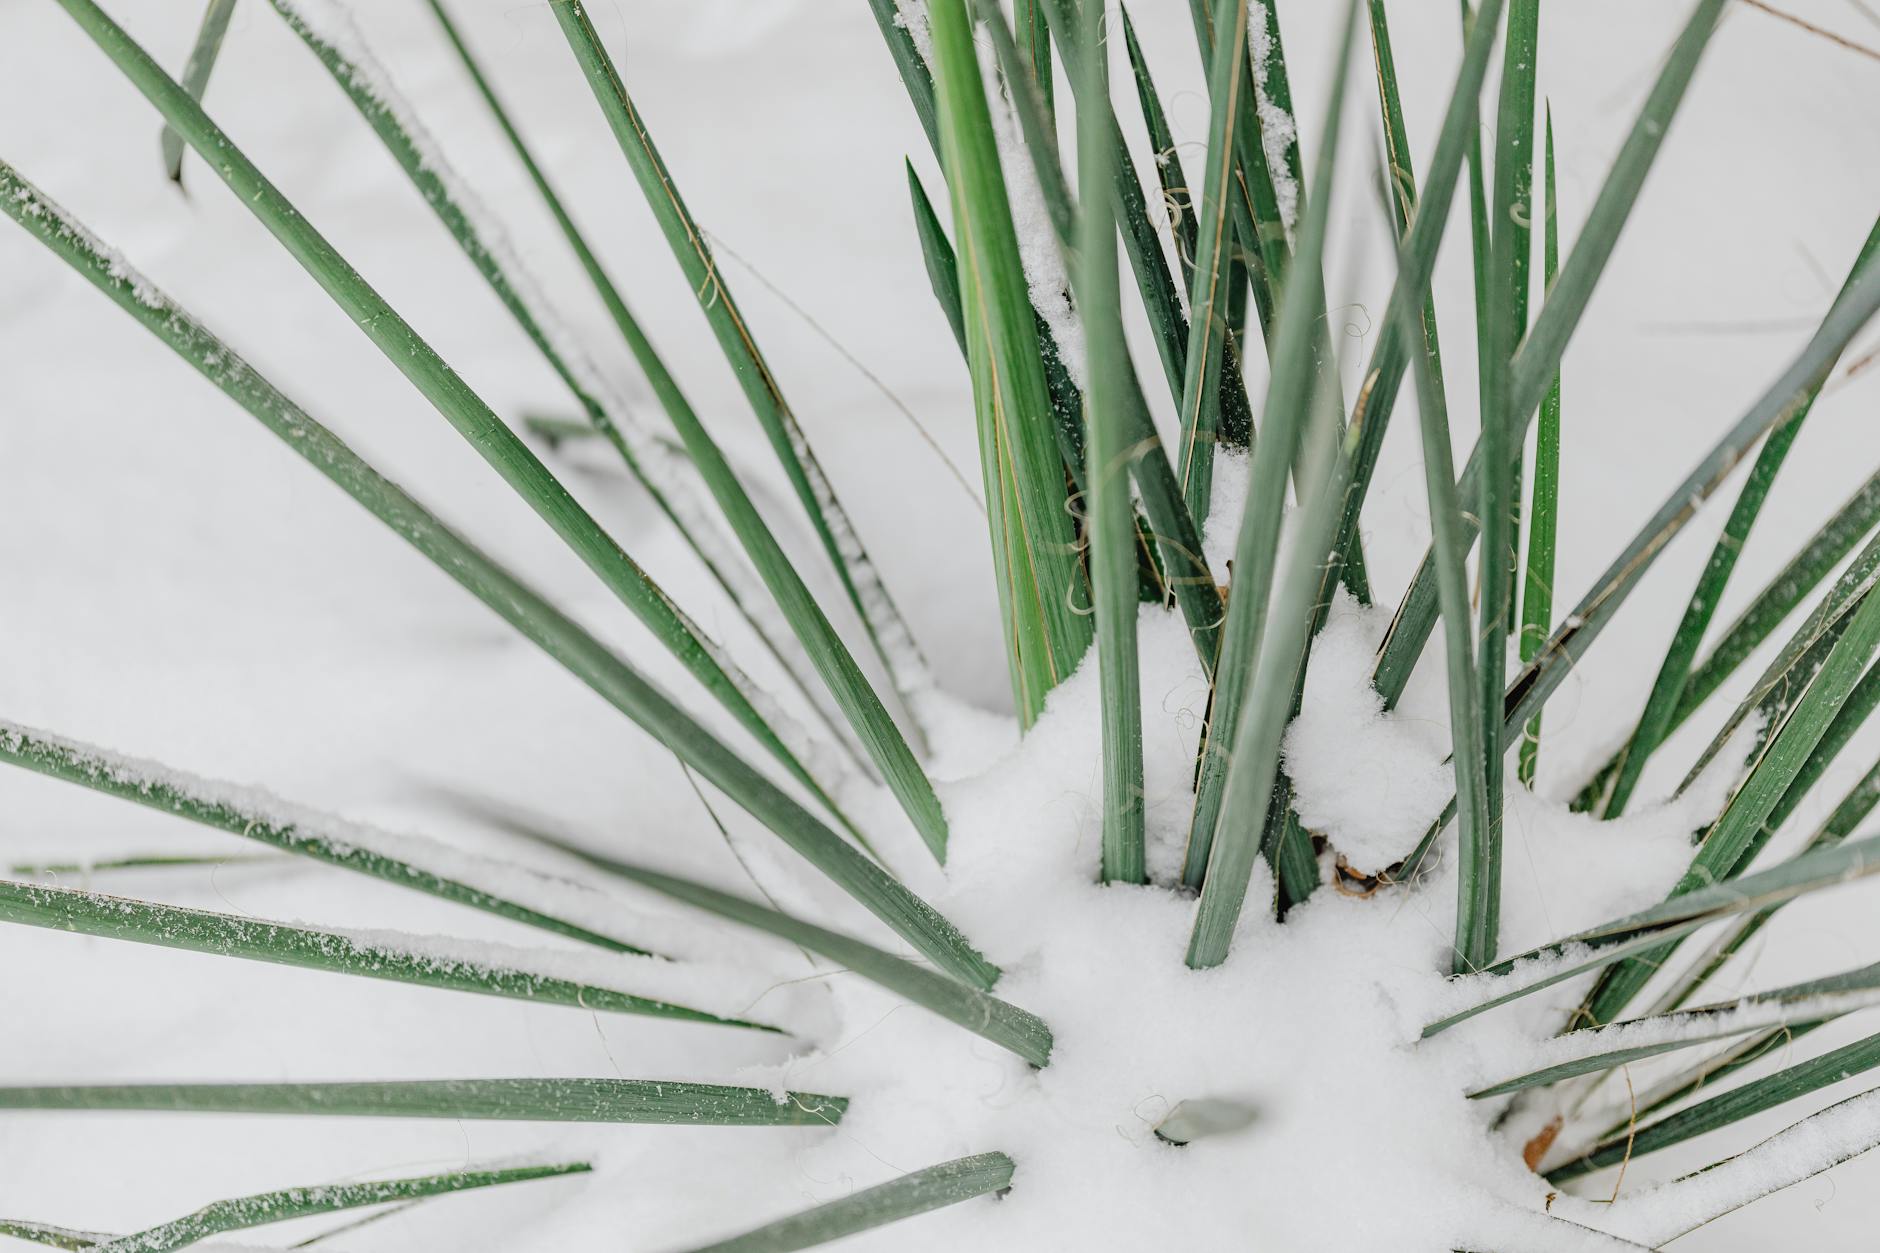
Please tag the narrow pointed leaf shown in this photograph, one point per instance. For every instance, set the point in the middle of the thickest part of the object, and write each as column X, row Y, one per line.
column 196, row 72
column 1478, row 914
column 1852, row 715
column 1666, row 689
column 46, row 1233
column 1465, row 725
column 1781, row 595
column 1200, row 415
column 1032, row 110
column 1040, row 582
column 138, row 861
column 1817, row 1143
column 1787, row 676
column 1161, row 301
column 1593, row 1049
column 1272, row 197
column 1677, row 917
column 642, row 1101
column 1112, row 538
column 936, row 251
column 1023, row 121
column 1725, row 847
column 1537, row 596
column 1171, row 527
column 420, row 960
column 918, row 1192
column 1778, row 598
column 1177, row 192
column 242, row 1213
column 1409, row 291
column 1850, row 813
column 1539, row 357
column 407, row 861
column 1708, row 1073
column 1004, row 1024
column 1511, row 218
column 909, row 63
column 1792, row 757
column 1785, row 1085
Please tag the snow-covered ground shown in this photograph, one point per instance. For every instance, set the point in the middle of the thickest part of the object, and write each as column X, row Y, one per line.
column 177, row 585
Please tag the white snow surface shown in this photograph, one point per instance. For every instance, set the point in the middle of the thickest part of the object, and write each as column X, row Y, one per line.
column 1371, row 782
column 182, row 590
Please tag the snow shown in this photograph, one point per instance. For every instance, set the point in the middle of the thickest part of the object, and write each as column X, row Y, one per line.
column 1370, row 782
column 1232, row 468
column 180, row 589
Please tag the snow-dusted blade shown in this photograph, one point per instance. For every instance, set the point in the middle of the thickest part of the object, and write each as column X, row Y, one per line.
column 1789, row 673
column 917, row 1192
column 618, row 983
column 1184, row 567
column 1672, row 919
column 1001, row 1022
column 1602, row 1048
column 1040, row 582
column 423, row 865
column 47, row 1233
column 1210, row 290
column 243, row 1212
column 1772, row 605
column 1819, row 1142
column 638, row 1101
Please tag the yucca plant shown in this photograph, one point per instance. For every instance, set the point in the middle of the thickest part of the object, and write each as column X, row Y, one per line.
column 1190, row 1012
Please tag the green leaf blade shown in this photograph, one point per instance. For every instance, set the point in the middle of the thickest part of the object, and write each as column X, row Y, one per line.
column 1040, row 582
column 1111, row 530
column 416, row 960
column 196, row 72
column 631, row 1101
column 915, row 1193
column 243, row 1213
column 1006, row 1025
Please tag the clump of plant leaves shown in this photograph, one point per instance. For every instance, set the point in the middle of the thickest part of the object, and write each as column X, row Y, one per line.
column 1065, row 461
